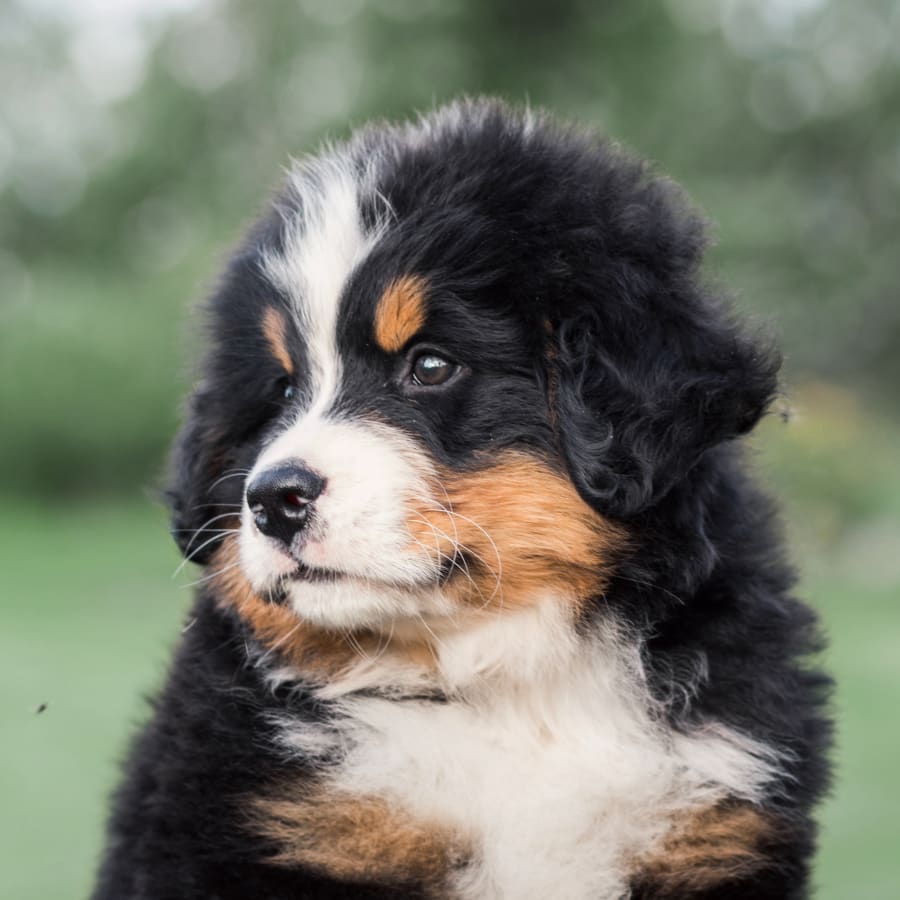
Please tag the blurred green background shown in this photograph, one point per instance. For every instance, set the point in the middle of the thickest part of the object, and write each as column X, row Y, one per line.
column 137, row 137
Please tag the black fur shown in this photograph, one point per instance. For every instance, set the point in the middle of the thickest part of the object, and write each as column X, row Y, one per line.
column 176, row 831
column 567, row 277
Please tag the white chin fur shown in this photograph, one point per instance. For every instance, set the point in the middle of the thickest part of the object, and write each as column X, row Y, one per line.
column 355, row 603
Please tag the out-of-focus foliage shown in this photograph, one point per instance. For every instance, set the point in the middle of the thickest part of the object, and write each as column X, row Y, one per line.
column 137, row 137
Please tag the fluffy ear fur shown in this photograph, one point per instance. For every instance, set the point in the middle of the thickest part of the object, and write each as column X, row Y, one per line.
column 644, row 396
column 236, row 395
column 194, row 467
column 652, row 369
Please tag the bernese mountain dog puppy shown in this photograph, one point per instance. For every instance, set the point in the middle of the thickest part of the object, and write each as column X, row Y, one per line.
column 491, row 608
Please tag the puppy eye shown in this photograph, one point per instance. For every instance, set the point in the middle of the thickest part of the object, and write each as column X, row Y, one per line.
column 286, row 389
column 431, row 370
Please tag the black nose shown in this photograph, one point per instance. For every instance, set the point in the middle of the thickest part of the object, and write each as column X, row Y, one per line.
column 280, row 499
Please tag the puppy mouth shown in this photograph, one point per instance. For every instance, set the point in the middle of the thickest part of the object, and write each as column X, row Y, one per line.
column 303, row 572
column 315, row 575
column 294, row 571
column 291, row 568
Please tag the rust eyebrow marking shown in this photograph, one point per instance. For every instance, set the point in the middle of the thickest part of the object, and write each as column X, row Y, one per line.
column 400, row 312
column 275, row 330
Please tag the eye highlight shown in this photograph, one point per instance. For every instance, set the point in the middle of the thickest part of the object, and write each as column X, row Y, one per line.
column 286, row 389
column 431, row 370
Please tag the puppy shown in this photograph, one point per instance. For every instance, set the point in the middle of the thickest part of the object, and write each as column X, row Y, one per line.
column 491, row 607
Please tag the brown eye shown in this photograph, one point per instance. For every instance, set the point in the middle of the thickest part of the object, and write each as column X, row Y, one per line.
column 430, row 370
column 285, row 389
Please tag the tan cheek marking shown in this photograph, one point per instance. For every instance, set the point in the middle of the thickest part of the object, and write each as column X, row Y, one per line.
column 523, row 532
column 732, row 840
column 321, row 654
column 400, row 313
column 275, row 330
column 277, row 627
column 357, row 838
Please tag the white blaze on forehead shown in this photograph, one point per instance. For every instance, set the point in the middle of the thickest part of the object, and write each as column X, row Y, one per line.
column 324, row 242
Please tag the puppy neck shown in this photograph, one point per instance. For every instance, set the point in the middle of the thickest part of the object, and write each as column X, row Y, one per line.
column 473, row 656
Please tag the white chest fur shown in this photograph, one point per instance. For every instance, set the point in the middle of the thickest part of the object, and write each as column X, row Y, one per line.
column 554, row 762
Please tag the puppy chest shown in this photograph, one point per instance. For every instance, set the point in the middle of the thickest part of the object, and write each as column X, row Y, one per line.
column 546, row 805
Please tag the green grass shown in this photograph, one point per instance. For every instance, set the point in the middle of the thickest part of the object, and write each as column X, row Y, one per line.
column 859, row 859
column 88, row 612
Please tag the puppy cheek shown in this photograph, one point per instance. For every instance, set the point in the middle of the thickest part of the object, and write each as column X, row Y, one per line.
column 516, row 530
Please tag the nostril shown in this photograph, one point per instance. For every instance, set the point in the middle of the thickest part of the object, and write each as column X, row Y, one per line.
column 291, row 505
column 260, row 517
column 303, row 486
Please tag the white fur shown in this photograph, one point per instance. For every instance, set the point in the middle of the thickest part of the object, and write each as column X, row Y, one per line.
column 324, row 243
column 550, row 755
column 372, row 472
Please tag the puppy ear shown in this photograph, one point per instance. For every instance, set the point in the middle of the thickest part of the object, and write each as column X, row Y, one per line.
column 644, row 390
column 194, row 467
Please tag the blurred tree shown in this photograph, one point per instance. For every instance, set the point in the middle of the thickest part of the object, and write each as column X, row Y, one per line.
column 135, row 140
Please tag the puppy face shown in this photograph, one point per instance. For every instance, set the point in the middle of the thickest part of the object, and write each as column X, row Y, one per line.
column 413, row 459
column 447, row 369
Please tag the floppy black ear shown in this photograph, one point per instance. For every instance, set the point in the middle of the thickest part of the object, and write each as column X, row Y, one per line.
column 237, row 392
column 646, row 386
column 195, row 464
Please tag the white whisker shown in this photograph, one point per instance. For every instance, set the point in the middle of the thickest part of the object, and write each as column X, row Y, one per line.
column 202, row 528
column 190, row 557
column 233, row 473
column 498, row 572
column 211, row 575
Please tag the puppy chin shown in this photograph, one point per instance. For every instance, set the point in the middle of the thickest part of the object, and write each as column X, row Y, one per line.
column 334, row 599
column 353, row 603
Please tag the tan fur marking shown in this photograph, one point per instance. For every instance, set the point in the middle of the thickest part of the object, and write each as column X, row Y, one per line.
column 357, row 838
column 316, row 652
column 275, row 330
column 725, row 842
column 517, row 530
column 400, row 312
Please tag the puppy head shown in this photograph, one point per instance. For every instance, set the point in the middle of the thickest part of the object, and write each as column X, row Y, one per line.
column 448, row 367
